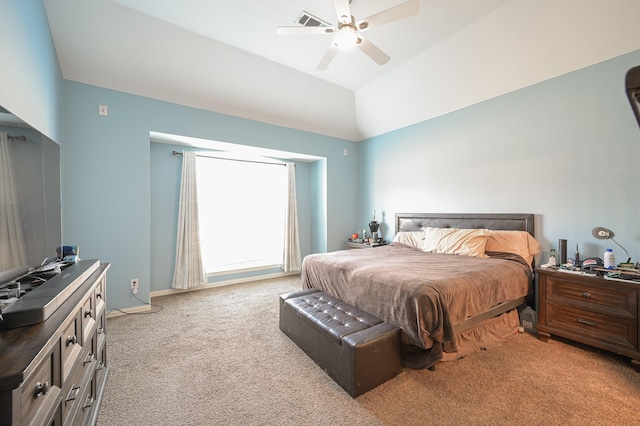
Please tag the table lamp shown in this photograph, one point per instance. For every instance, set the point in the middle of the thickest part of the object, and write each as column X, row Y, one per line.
column 607, row 234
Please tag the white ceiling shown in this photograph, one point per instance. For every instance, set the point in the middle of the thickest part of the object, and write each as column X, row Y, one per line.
column 225, row 56
column 250, row 25
column 127, row 45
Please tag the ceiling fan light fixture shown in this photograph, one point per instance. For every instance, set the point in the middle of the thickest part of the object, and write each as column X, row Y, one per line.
column 346, row 37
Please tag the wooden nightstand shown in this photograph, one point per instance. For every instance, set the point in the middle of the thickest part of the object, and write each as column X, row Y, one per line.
column 352, row 246
column 590, row 310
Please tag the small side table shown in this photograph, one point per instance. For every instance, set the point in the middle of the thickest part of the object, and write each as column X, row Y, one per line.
column 590, row 310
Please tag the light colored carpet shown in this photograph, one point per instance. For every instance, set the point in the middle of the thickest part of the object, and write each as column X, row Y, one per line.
column 217, row 357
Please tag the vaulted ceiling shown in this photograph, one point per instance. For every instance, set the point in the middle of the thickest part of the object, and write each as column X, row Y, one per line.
column 225, row 56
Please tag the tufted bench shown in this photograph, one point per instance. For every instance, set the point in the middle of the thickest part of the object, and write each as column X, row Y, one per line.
column 358, row 350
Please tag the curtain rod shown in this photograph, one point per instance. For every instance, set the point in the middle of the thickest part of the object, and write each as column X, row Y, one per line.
column 20, row 138
column 231, row 159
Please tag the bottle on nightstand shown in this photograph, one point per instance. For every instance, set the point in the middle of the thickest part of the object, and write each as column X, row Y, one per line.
column 609, row 259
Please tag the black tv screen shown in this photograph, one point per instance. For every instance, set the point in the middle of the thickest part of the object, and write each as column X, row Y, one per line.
column 30, row 207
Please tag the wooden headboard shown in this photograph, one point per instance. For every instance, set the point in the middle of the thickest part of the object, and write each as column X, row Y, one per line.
column 503, row 221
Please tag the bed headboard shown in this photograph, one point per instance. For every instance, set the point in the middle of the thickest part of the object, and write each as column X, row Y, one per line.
column 503, row 221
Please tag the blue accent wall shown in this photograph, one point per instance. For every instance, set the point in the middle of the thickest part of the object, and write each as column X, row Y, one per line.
column 108, row 182
column 566, row 149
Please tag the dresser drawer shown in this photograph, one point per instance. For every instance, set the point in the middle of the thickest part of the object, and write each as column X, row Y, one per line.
column 620, row 302
column 101, row 367
column 78, row 386
column 88, row 317
column 101, row 330
column 605, row 328
column 89, row 403
column 71, row 347
column 40, row 393
column 100, row 295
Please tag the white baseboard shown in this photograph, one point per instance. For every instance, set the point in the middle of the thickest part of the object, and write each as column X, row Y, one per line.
column 222, row 284
column 145, row 308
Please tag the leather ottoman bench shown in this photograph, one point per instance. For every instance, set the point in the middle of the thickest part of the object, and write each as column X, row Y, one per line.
column 356, row 349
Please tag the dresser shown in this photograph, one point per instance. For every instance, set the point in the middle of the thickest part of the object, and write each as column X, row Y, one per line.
column 54, row 372
column 591, row 310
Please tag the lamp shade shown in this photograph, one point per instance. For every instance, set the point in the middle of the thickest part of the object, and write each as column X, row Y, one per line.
column 602, row 233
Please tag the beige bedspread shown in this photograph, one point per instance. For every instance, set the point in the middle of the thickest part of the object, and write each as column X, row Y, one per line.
column 425, row 294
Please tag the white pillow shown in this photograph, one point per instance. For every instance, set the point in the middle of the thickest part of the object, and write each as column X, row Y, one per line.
column 466, row 242
column 515, row 242
column 409, row 238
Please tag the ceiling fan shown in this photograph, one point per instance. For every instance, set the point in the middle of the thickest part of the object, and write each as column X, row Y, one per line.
column 348, row 33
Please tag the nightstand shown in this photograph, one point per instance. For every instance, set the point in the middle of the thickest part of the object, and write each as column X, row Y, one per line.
column 352, row 246
column 591, row 310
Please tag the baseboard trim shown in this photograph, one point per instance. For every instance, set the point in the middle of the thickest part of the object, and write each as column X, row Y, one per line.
column 221, row 284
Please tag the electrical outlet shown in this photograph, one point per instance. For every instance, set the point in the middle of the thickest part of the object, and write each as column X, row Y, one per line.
column 103, row 110
column 134, row 285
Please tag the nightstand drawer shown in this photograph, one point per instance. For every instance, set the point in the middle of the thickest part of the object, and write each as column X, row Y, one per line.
column 614, row 301
column 605, row 328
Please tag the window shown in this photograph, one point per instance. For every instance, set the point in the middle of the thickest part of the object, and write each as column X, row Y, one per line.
column 242, row 213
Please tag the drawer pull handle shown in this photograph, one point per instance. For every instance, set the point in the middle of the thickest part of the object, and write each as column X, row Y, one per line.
column 586, row 295
column 88, row 359
column 100, row 366
column 41, row 389
column 88, row 313
column 89, row 402
column 99, row 295
column 72, row 340
column 591, row 323
column 100, row 330
column 73, row 394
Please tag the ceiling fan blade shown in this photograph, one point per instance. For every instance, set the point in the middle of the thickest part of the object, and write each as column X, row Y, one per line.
column 373, row 51
column 304, row 30
column 327, row 58
column 343, row 11
column 396, row 13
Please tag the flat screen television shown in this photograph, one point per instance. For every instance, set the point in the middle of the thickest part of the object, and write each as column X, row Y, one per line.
column 30, row 205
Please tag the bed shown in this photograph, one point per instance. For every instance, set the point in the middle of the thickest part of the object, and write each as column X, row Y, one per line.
column 451, row 282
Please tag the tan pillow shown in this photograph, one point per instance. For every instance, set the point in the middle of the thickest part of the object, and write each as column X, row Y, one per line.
column 516, row 242
column 409, row 238
column 466, row 242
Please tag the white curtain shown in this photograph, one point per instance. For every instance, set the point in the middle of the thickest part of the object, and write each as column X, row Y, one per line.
column 292, row 259
column 13, row 252
column 189, row 267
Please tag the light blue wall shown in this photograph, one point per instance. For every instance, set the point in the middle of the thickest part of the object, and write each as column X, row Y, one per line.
column 165, row 196
column 107, row 184
column 31, row 79
column 566, row 150
column 318, row 202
